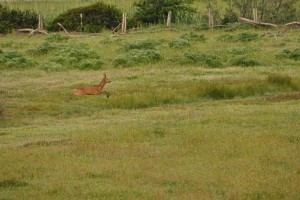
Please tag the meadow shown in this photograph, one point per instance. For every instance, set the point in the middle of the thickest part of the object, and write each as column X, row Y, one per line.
column 193, row 114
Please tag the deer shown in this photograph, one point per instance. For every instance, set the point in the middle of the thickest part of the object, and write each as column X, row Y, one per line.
column 92, row 90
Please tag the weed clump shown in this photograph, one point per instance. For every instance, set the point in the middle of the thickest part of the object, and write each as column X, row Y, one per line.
column 14, row 59
column 245, row 61
column 135, row 57
column 280, row 80
column 179, row 44
column 290, row 54
column 141, row 44
column 57, row 38
column 241, row 37
column 193, row 37
column 209, row 60
column 68, row 56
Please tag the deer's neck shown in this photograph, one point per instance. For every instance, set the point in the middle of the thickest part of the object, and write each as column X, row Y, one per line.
column 101, row 85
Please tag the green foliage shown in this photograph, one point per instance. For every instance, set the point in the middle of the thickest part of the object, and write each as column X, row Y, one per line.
column 57, row 38
column 280, row 80
column 67, row 56
column 95, row 18
column 208, row 60
column 156, row 11
column 142, row 44
column 241, row 37
column 135, row 57
column 14, row 59
column 179, row 43
column 291, row 54
column 193, row 37
column 14, row 19
column 230, row 16
column 276, row 11
column 245, row 61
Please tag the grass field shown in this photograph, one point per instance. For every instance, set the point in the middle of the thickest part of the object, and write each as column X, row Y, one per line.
column 204, row 115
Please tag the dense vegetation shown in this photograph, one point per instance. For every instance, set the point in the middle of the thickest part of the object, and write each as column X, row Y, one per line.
column 95, row 17
column 13, row 19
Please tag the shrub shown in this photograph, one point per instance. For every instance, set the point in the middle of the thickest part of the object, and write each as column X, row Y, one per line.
column 245, row 61
column 291, row 54
column 179, row 44
column 67, row 56
column 230, row 16
column 241, row 37
column 95, row 18
column 155, row 11
column 14, row 19
column 141, row 44
column 193, row 37
column 57, row 38
column 14, row 59
column 209, row 60
column 137, row 57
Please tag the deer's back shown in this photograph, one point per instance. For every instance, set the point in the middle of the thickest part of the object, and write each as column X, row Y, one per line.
column 91, row 90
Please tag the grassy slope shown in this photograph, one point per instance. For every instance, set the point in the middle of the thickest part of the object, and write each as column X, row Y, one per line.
column 158, row 136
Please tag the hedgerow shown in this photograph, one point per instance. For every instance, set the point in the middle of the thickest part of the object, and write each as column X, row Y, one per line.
column 94, row 18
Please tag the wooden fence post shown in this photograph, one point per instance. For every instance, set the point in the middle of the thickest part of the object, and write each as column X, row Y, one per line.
column 81, row 17
column 210, row 19
column 40, row 24
column 124, row 23
column 255, row 14
column 169, row 19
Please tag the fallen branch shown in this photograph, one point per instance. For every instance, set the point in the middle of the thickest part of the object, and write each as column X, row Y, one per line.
column 292, row 24
column 59, row 24
column 25, row 30
column 38, row 31
column 248, row 21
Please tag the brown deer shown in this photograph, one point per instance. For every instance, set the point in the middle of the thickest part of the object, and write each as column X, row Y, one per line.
column 92, row 90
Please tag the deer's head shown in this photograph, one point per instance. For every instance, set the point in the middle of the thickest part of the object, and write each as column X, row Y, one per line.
column 105, row 80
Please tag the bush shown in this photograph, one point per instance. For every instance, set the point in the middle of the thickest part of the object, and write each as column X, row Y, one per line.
column 209, row 60
column 245, row 61
column 67, row 56
column 179, row 44
column 141, row 44
column 230, row 16
column 156, row 11
column 14, row 59
column 57, row 38
column 15, row 19
column 95, row 18
column 241, row 37
column 135, row 57
column 291, row 54
column 193, row 37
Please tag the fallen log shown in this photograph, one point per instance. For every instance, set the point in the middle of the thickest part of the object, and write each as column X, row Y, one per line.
column 248, row 21
column 292, row 24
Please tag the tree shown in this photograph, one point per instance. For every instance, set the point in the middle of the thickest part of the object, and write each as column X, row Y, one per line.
column 272, row 11
column 13, row 19
column 95, row 17
column 155, row 11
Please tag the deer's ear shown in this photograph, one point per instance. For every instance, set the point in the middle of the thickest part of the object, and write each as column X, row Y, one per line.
column 104, row 75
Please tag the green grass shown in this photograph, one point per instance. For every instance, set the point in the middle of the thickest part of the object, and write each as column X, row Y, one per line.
column 172, row 129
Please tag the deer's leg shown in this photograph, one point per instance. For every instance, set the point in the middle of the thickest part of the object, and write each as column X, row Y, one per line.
column 105, row 93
